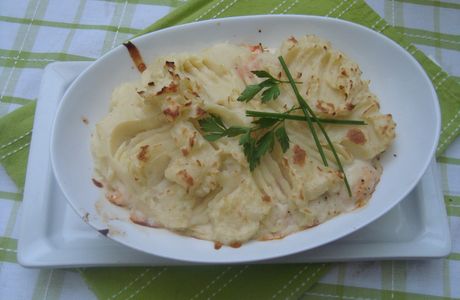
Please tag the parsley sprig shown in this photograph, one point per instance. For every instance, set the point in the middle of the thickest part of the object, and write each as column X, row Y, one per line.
column 256, row 140
column 270, row 86
column 216, row 129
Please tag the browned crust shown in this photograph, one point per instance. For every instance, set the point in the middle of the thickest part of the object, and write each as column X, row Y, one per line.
column 235, row 245
column 140, row 221
column 350, row 106
column 186, row 177
column 135, row 56
column 200, row 112
column 266, row 198
column 143, row 155
column 356, row 136
column 299, row 155
column 191, row 140
column 115, row 198
column 184, row 151
column 326, row 107
column 171, row 88
column 97, row 183
column 172, row 113
column 170, row 65
column 256, row 48
column 292, row 39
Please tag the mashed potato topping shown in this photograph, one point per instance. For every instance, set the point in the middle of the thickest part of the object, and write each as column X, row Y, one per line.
column 150, row 155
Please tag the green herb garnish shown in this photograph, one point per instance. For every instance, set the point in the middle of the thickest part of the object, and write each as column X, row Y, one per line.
column 256, row 140
column 288, row 116
column 271, row 86
column 216, row 129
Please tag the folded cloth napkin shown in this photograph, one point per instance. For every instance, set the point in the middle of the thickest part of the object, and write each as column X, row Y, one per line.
column 229, row 282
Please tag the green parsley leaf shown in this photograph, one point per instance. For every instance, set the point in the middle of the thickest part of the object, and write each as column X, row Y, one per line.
column 271, row 93
column 249, row 92
column 218, row 120
column 212, row 137
column 264, row 145
column 265, row 122
column 263, row 74
column 235, row 130
column 268, row 83
column 245, row 138
column 212, row 124
column 283, row 138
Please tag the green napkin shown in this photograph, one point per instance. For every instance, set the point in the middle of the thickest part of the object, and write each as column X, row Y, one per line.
column 229, row 282
column 15, row 133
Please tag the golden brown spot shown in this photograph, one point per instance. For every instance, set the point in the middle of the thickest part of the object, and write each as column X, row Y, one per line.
column 186, row 177
column 256, row 48
column 344, row 72
column 171, row 88
column 115, row 198
column 97, row 183
column 360, row 203
column 143, row 155
column 140, row 93
column 292, row 39
column 198, row 162
column 325, row 47
column 191, row 140
column 217, row 245
column 356, row 136
column 84, row 120
column 299, row 155
column 143, row 222
column 170, row 65
column 325, row 107
column 235, row 245
column 299, row 75
column 135, row 56
column 184, row 151
column 188, row 103
column 301, row 195
column 200, row 112
column 172, row 113
column 350, row 106
column 266, row 198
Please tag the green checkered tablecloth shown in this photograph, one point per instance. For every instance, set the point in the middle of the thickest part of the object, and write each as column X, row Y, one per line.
column 34, row 33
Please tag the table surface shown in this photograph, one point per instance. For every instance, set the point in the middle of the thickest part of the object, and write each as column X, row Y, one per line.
column 42, row 31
